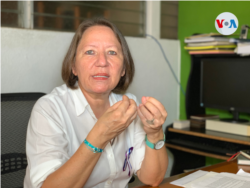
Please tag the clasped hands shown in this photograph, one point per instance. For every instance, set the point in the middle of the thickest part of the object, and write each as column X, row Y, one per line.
column 119, row 116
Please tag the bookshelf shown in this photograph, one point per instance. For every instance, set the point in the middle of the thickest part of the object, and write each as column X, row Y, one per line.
column 188, row 157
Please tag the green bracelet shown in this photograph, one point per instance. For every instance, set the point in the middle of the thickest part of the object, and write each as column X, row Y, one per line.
column 92, row 148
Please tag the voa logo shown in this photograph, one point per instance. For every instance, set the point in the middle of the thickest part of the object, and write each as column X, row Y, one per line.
column 226, row 23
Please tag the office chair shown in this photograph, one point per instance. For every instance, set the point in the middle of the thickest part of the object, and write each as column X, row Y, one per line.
column 15, row 113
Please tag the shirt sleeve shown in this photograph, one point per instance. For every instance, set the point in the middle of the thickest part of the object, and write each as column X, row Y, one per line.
column 46, row 142
column 139, row 139
column 139, row 144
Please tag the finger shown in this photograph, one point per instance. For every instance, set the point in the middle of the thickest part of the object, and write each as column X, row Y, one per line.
column 146, row 113
column 124, row 104
column 158, row 105
column 159, row 117
column 153, row 109
column 131, row 112
column 157, row 121
column 132, row 108
column 132, row 118
column 143, row 100
column 115, row 106
column 141, row 116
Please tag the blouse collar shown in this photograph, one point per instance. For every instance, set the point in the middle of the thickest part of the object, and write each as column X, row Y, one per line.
column 81, row 102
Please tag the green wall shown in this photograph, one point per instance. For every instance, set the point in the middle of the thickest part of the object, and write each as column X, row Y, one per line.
column 199, row 17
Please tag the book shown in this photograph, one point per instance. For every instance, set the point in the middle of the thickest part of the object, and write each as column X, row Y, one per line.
column 180, row 124
column 204, row 35
column 242, row 160
column 238, row 40
column 208, row 35
column 209, row 47
column 197, row 126
column 210, row 43
column 211, row 51
column 197, row 121
column 207, row 39
column 228, row 127
column 204, row 117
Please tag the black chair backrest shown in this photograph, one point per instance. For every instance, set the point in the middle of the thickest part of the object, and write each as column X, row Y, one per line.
column 15, row 113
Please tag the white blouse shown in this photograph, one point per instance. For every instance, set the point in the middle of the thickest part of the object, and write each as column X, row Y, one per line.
column 59, row 123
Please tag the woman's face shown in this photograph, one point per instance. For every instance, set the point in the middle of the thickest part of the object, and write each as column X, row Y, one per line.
column 99, row 61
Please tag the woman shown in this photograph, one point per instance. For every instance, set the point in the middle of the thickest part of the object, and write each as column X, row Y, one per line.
column 83, row 134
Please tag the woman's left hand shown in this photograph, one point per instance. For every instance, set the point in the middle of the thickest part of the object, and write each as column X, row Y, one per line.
column 152, row 114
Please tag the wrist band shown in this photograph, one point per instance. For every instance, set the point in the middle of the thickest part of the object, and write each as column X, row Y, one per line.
column 92, row 148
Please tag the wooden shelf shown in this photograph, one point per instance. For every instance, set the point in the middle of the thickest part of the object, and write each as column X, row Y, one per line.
column 196, row 152
column 214, row 135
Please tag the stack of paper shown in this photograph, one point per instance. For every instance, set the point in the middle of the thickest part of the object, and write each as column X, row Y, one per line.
column 213, row 43
column 242, row 160
column 181, row 124
column 204, row 179
column 244, row 157
column 199, row 121
column 243, row 48
column 228, row 127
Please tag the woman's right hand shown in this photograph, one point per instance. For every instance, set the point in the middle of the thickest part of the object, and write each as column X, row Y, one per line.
column 115, row 120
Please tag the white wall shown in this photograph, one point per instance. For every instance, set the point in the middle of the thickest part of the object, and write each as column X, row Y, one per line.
column 31, row 62
column 153, row 76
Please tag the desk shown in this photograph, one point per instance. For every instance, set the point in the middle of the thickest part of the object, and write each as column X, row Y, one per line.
column 231, row 167
column 189, row 158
